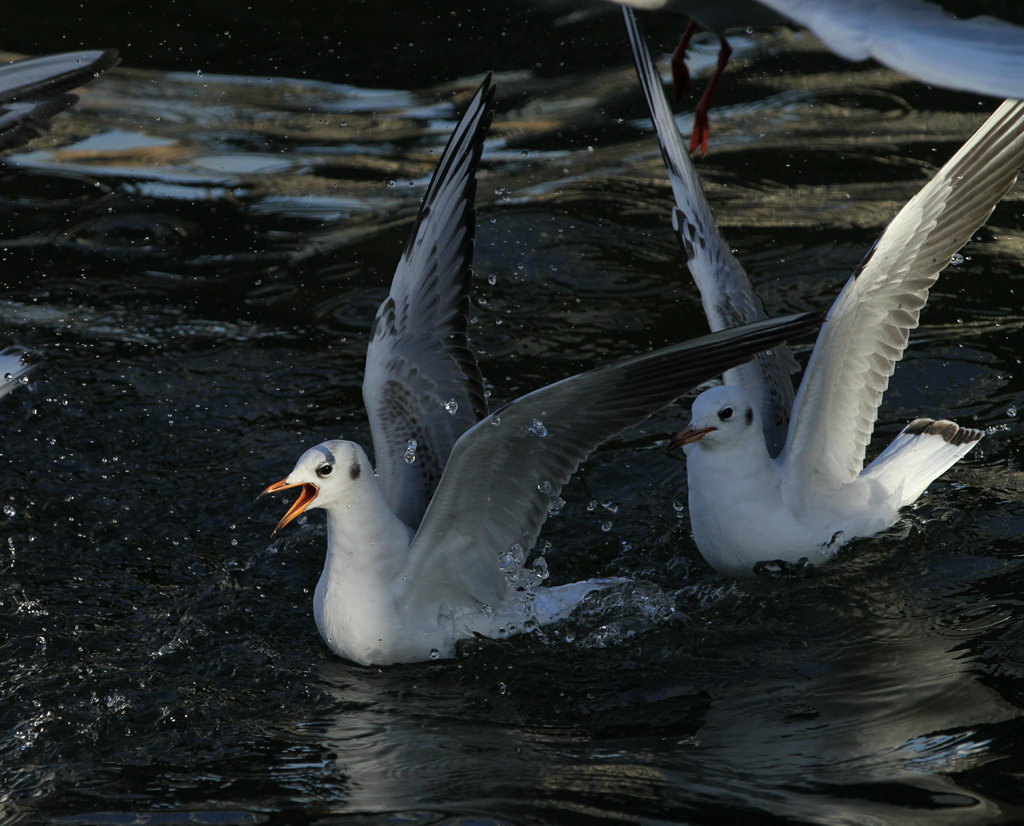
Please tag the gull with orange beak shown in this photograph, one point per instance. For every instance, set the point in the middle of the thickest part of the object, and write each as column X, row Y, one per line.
column 431, row 546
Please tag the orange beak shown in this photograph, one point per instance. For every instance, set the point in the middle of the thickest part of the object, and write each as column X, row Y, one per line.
column 305, row 499
column 688, row 435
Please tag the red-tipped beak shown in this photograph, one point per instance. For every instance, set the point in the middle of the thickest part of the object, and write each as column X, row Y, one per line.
column 688, row 435
column 306, row 497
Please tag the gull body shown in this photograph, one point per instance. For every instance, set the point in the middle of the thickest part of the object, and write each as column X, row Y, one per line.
column 430, row 546
column 777, row 477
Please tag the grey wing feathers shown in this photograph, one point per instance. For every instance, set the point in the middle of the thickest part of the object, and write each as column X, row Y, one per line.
column 728, row 296
column 503, row 474
column 869, row 323
column 422, row 387
column 34, row 90
column 15, row 363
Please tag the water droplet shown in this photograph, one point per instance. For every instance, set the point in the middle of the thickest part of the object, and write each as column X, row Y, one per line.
column 606, row 526
column 391, row 184
column 957, row 259
column 678, row 507
column 410, row 452
column 502, row 688
column 451, row 406
column 544, row 486
column 495, row 421
column 611, row 507
column 591, row 506
column 434, row 654
column 1010, row 411
column 9, row 510
column 555, row 505
column 537, row 428
column 492, row 279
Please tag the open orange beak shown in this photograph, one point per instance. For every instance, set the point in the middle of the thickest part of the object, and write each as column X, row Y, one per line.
column 688, row 435
column 305, row 499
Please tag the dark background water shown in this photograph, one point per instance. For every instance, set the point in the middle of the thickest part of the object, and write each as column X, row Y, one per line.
column 199, row 248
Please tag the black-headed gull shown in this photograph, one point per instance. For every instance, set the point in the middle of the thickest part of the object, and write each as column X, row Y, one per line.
column 430, row 548
column 746, row 506
column 980, row 54
column 31, row 92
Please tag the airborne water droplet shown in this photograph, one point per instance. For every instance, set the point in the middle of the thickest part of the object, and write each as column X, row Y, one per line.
column 544, row 486
column 957, row 259
column 606, row 526
column 537, row 428
column 451, row 406
column 410, row 452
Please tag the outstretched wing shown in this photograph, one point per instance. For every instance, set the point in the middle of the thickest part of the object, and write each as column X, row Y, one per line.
column 422, row 387
column 869, row 323
column 34, row 90
column 503, row 474
column 728, row 296
column 979, row 54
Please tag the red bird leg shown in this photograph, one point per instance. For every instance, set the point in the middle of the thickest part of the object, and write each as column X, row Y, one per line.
column 680, row 74
column 701, row 128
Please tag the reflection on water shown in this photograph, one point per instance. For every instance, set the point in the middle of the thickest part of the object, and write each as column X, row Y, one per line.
column 199, row 256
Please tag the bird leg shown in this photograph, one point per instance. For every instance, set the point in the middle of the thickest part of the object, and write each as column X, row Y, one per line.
column 701, row 129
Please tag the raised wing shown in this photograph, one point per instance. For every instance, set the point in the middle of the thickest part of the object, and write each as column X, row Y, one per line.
column 980, row 54
column 34, row 90
column 422, row 387
column 728, row 296
column 503, row 474
column 869, row 323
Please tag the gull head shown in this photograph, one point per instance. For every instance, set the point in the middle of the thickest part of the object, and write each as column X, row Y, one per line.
column 326, row 473
column 720, row 417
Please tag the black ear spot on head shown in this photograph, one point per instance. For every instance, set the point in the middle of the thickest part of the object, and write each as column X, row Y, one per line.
column 355, row 470
column 750, row 416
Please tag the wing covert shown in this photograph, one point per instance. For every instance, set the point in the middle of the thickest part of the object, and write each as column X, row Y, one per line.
column 867, row 327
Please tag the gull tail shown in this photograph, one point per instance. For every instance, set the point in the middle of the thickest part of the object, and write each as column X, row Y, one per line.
column 923, row 451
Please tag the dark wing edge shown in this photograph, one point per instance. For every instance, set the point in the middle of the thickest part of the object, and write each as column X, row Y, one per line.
column 423, row 387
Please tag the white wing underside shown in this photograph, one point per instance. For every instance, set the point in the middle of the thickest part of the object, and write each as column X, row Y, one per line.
column 869, row 323
column 726, row 293
column 422, row 388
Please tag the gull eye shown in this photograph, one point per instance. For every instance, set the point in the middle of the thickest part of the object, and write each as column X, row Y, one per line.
column 725, row 414
column 324, row 470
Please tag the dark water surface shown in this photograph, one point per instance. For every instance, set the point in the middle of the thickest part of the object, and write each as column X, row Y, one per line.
column 199, row 249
